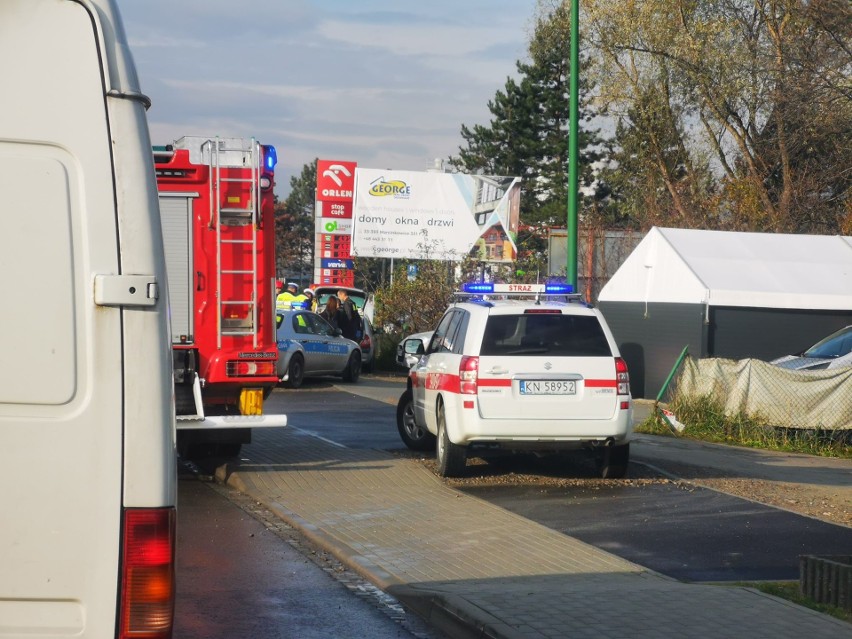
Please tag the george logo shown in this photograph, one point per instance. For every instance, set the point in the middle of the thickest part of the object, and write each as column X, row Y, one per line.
column 396, row 188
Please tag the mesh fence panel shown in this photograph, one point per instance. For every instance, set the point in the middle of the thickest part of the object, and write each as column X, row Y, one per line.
column 778, row 396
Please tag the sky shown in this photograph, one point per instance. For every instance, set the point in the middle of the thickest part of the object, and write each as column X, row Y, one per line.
column 385, row 84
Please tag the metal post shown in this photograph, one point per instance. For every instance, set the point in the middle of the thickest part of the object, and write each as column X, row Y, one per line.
column 573, row 145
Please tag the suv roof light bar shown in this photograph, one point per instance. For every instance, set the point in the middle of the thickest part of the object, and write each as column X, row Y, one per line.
column 553, row 289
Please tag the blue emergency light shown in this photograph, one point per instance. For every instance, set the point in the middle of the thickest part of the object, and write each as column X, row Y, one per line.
column 557, row 288
column 271, row 156
column 478, row 287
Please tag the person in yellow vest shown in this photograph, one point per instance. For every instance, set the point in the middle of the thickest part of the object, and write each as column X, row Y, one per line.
column 285, row 300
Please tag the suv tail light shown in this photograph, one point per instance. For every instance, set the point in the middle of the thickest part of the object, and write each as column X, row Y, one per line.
column 468, row 373
column 147, row 573
column 622, row 377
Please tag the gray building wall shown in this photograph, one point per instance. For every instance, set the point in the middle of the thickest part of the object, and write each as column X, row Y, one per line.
column 651, row 337
column 767, row 333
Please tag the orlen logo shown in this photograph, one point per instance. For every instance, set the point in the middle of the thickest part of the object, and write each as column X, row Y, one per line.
column 335, row 180
column 397, row 188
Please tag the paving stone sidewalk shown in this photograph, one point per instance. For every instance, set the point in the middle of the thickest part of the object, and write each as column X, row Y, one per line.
column 476, row 570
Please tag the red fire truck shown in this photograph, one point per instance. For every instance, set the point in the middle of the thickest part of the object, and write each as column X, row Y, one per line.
column 217, row 209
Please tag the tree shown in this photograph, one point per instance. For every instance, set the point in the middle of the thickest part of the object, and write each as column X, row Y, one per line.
column 762, row 84
column 412, row 306
column 655, row 178
column 294, row 226
column 528, row 132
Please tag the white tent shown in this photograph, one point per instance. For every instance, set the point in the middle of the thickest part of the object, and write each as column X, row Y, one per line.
column 725, row 294
column 722, row 268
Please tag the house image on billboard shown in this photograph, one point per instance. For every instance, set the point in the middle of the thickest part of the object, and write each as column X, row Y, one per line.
column 726, row 295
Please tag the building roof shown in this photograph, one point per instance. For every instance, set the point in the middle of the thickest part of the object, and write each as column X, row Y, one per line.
column 724, row 268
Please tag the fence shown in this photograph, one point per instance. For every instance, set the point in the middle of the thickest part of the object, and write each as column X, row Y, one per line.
column 811, row 400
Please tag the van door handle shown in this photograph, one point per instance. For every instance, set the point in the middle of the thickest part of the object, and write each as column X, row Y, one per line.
column 126, row 290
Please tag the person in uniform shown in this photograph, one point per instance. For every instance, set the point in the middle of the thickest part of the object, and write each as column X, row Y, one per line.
column 310, row 301
column 286, row 299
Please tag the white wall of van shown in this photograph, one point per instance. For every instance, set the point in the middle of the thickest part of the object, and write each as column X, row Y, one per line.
column 86, row 406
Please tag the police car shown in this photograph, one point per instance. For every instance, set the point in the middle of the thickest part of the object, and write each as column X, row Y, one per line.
column 362, row 302
column 309, row 346
column 519, row 367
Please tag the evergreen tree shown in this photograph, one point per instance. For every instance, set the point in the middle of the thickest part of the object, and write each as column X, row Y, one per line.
column 294, row 227
column 654, row 178
column 528, row 133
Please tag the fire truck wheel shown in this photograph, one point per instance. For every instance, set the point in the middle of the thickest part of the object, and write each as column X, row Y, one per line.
column 296, row 371
column 353, row 369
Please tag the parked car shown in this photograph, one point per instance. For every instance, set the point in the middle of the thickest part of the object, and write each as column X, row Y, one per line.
column 835, row 351
column 309, row 346
column 409, row 350
column 360, row 298
column 523, row 374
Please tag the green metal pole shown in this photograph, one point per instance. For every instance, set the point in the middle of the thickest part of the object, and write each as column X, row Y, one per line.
column 573, row 145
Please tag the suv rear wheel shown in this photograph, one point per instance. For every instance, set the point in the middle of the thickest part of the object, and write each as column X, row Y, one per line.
column 613, row 460
column 451, row 457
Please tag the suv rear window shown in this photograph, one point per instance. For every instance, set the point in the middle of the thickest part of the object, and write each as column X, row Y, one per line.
column 552, row 335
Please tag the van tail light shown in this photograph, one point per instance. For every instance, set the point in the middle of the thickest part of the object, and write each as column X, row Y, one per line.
column 147, row 573
column 366, row 343
column 468, row 373
column 622, row 377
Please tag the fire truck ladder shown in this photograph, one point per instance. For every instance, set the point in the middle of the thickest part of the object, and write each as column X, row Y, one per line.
column 233, row 153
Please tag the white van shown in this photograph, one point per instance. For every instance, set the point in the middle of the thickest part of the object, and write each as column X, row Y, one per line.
column 87, row 425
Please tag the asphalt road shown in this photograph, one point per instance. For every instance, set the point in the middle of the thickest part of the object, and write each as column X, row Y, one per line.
column 684, row 532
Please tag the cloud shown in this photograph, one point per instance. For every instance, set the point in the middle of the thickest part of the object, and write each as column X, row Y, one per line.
column 383, row 83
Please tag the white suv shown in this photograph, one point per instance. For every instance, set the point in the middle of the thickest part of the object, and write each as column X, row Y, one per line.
column 522, row 373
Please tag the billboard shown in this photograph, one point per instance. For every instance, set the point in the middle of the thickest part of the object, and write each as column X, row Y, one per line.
column 427, row 215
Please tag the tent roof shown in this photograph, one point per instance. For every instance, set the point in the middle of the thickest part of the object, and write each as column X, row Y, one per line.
column 723, row 268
